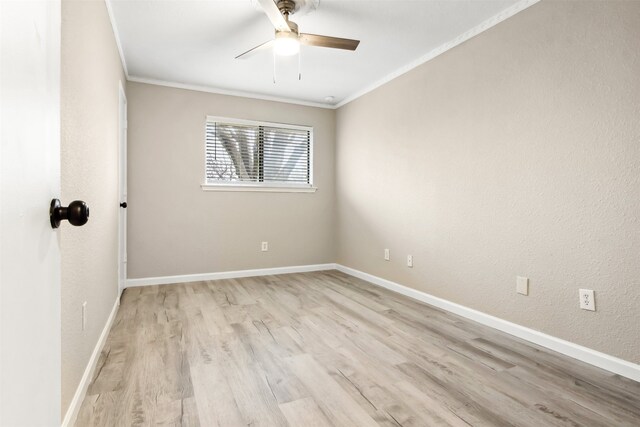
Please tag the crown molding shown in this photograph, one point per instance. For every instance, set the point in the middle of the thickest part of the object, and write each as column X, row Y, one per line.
column 210, row 89
column 484, row 26
column 116, row 34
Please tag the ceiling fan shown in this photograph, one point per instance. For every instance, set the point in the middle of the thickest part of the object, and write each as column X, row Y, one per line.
column 288, row 40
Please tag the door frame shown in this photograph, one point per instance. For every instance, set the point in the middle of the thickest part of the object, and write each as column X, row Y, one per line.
column 122, row 187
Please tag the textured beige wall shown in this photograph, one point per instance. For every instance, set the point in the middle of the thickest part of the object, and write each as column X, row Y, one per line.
column 516, row 153
column 176, row 228
column 91, row 70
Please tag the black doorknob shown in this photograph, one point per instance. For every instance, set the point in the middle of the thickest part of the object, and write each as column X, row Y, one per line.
column 123, row 205
column 77, row 213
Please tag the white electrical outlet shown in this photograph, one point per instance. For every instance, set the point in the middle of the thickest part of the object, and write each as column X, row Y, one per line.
column 587, row 300
column 265, row 246
column 522, row 285
column 409, row 260
column 387, row 256
column 84, row 315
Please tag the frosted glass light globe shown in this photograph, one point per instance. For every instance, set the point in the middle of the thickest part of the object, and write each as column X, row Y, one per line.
column 286, row 44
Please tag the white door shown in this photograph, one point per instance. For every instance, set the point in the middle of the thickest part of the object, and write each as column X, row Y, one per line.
column 122, row 224
column 29, row 179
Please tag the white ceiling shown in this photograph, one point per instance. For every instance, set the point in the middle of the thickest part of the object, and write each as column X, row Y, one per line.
column 194, row 43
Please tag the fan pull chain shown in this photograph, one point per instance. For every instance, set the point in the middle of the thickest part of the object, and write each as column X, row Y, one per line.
column 300, row 64
column 274, row 66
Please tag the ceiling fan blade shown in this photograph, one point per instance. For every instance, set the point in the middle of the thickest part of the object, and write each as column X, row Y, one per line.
column 274, row 15
column 252, row 51
column 326, row 41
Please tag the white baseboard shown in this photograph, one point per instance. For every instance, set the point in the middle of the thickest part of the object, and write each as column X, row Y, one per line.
column 584, row 354
column 81, row 391
column 165, row 280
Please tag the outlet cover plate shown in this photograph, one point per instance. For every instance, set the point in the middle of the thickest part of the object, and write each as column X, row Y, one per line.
column 587, row 299
column 522, row 285
column 409, row 261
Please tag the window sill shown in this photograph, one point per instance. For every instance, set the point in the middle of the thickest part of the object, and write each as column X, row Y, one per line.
column 257, row 188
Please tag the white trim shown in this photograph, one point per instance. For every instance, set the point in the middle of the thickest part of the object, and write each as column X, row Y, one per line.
column 273, row 187
column 116, row 34
column 247, row 122
column 258, row 188
column 601, row 360
column 210, row 89
column 81, row 391
column 166, row 280
column 484, row 26
column 584, row 354
column 122, row 185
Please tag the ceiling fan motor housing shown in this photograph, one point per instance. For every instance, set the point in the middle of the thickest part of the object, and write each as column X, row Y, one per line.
column 292, row 25
column 287, row 7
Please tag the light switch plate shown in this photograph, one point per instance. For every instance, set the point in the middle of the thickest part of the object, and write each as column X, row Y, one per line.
column 522, row 285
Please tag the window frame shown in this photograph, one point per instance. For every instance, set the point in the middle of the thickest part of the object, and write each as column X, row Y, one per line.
column 258, row 186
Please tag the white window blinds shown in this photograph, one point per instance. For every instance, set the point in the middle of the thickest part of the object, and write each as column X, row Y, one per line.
column 257, row 153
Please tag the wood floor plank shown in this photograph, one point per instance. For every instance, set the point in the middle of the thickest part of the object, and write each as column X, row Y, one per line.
column 253, row 395
column 324, row 348
column 304, row 412
column 596, row 397
column 430, row 410
column 334, row 401
column 214, row 399
column 270, row 354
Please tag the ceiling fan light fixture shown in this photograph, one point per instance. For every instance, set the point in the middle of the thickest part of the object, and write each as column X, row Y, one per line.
column 288, row 39
column 286, row 43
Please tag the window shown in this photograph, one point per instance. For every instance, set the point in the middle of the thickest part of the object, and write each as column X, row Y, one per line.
column 245, row 155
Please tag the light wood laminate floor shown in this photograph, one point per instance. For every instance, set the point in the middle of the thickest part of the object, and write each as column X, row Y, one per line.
column 324, row 348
